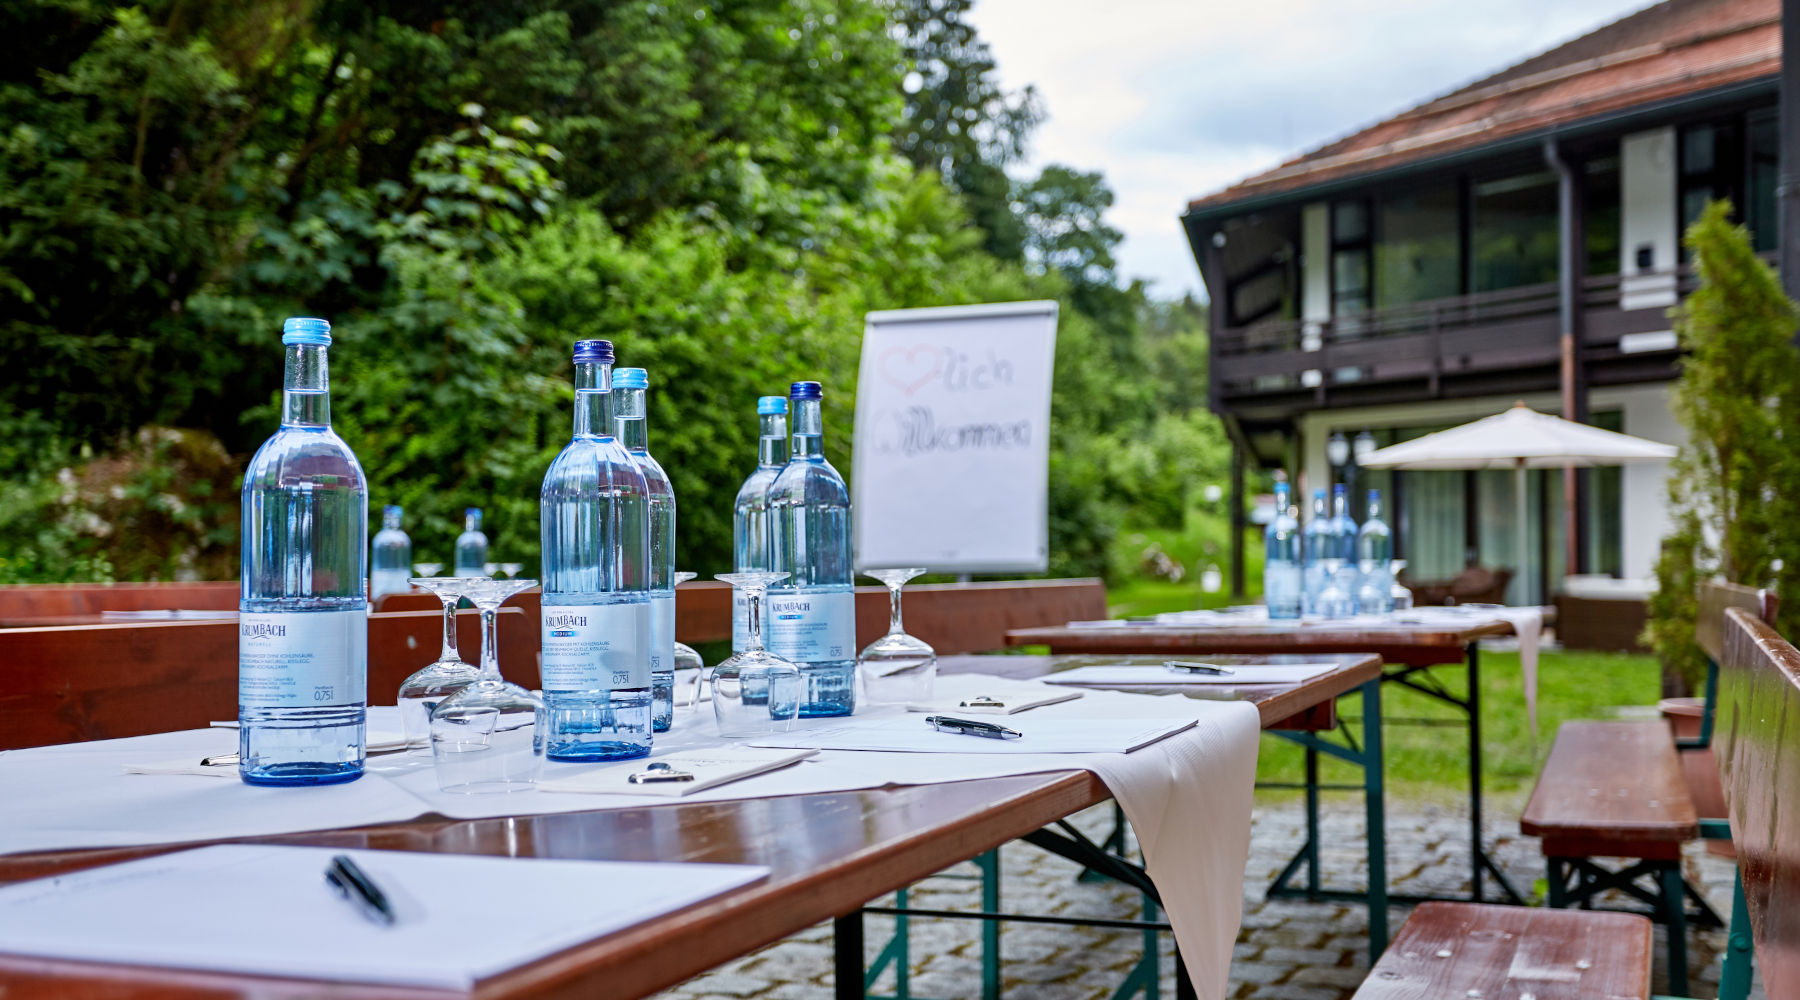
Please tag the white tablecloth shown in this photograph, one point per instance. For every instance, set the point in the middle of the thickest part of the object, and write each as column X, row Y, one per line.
column 1188, row 796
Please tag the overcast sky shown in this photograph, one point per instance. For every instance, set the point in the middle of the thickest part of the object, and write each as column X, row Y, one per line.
column 1173, row 99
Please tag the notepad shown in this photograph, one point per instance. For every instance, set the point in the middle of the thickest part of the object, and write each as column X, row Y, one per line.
column 1012, row 699
column 710, row 768
column 1241, row 675
column 266, row 910
column 1041, row 734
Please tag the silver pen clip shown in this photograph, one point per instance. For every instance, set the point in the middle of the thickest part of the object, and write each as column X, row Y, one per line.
column 1190, row 667
column 981, row 701
column 659, row 773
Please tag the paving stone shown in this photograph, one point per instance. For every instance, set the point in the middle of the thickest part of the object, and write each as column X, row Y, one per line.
column 1289, row 949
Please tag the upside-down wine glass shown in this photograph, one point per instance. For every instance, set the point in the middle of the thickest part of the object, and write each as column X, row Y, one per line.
column 482, row 736
column 1334, row 601
column 685, row 656
column 421, row 692
column 897, row 668
column 1403, row 598
column 754, row 692
column 428, row 569
column 511, row 569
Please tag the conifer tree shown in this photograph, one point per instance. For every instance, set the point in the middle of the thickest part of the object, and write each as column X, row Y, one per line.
column 1734, row 491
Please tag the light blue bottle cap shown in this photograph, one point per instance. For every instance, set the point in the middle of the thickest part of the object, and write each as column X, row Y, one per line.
column 593, row 352
column 806, row 390
column 393, row 509
column 305, row 330
column 771, row 404
column 1318, row 494
column 630, row 378
column 474, row 512
column 1374, row 496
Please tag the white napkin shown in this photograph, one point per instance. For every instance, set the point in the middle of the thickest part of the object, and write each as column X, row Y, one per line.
column 710, row 768
column 1189, row 800
column 1528, row 624
column 377, row 741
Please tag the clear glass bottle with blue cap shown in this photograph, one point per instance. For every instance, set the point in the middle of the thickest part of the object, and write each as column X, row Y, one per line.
column 750, row 513
column 303, row 602
column 595, row 529
column 811, row 616
column 631, row 420
column 471, row 546
column 390, row 559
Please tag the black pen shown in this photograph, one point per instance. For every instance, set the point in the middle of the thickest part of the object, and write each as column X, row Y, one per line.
column 1190, row 667
column 969, row 727
column 355, row 885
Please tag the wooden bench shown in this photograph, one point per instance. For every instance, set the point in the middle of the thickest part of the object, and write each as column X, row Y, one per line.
column 1464, row 950
column 1617, row 790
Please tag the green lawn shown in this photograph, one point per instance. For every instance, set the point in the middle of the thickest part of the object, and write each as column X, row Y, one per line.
column 1432, row 762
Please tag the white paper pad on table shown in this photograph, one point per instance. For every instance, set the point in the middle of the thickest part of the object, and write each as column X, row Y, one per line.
column 1015, row 696
column 1042, row 734
column 267, row 911
column 1156, row 674
column 710, row 768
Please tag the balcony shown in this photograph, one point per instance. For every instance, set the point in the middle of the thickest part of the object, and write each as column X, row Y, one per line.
column 1468, row 345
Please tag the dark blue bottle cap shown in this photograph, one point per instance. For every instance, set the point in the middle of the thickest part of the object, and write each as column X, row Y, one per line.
column 630, row 378
column 306, row 330
column 1374, row 496
column 474, row 512
column 806, row 390
column 593, row 352
column 771, row 404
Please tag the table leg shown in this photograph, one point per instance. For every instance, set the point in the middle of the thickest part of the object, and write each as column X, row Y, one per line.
column 1312, row 822
column 847, row 942
column 1375, row 806
column 1476, row 855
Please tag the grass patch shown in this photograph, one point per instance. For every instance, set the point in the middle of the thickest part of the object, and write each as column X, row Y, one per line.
column 1431, row 762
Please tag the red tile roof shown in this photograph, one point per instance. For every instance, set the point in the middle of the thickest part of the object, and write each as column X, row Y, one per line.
column 1672, row 49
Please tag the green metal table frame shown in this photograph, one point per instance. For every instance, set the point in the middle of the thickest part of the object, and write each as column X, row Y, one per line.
column 1105, row 859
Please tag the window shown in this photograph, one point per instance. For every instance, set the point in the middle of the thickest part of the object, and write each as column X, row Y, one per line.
column 1600, row 199
column 1764, row 154
column 1350, row 272
column 1711, row 167
column 1513, row 238
column 1419, row 255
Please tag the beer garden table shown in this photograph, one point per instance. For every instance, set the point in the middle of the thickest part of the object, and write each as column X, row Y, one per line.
column 1409, row 649
column 829, row 854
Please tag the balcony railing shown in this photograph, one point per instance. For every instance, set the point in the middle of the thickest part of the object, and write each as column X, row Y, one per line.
column 1434, row 342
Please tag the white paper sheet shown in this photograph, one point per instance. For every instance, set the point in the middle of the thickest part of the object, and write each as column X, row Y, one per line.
column 710, row 769
column 1156, row 674
column 267, row 911
column 1039, row 735
column 951, row 690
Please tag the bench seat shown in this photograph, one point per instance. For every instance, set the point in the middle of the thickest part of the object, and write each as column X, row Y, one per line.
column 1458, row 950
column 1612, row 789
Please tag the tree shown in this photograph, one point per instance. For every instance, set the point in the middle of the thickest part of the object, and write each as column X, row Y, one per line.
column 1734, row 490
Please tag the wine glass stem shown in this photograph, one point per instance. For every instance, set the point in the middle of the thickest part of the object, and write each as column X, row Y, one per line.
column 490, row 644
column 894, row 626
column 450, row 651
column 753, row 597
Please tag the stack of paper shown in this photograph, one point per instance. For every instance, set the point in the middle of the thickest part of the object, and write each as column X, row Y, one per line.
column 1039, row 734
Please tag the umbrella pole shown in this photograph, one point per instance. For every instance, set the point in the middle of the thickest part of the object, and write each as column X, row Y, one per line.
column 1524, row 541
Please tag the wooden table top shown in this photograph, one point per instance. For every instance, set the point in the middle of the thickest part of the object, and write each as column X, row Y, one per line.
column 828, row 854
column 1415, row 645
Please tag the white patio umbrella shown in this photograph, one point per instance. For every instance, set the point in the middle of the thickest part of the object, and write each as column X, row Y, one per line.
column 1519, row 439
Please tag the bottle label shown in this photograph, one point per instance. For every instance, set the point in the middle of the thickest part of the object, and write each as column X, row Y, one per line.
column 662, row 632
column 303, row 659
column 810, row 627
column 740, row 622
column 596, row 647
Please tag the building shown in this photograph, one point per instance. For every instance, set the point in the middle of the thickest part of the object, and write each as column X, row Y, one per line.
column 1518, row 238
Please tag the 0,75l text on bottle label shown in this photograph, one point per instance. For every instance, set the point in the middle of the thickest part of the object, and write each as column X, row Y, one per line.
column 303, row 659
column 811, row 627
column 596, row 647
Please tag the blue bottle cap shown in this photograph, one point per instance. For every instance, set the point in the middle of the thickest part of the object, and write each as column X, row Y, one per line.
column 630, row 378
column 771, row 404
column 305, row 330
column 474, row 512
column 593, row 352
column 1339, row 490
column 1318, row 494
column 1374, row 496
column 806, row 390
column 393, row 509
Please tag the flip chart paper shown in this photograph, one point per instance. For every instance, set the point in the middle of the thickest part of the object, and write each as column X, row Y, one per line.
column 952, row 445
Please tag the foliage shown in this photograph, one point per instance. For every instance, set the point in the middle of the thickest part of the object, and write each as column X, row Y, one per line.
column 722, row 189
column 1734, row 491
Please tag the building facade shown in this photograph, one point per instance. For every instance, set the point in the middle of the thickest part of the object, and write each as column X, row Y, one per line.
column 1516, row 239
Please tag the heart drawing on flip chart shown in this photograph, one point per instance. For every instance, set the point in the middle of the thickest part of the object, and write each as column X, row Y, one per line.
column 909, row 368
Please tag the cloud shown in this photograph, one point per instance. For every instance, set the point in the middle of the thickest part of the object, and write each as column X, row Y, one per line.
column 1173, row 100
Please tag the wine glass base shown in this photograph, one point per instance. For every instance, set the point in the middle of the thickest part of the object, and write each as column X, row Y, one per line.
column 502, row 787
